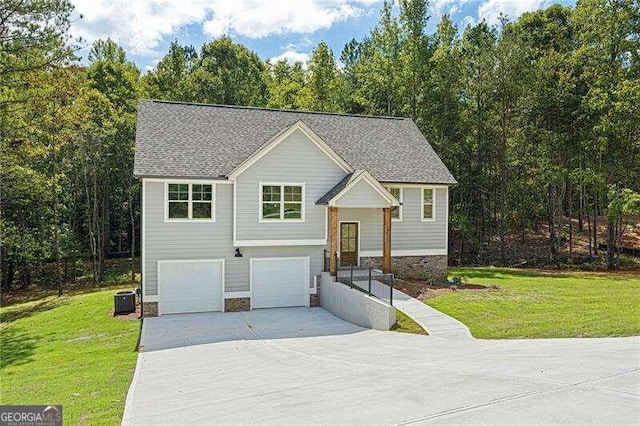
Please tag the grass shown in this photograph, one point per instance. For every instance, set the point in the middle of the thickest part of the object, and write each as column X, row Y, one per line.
column 404, row 324
column 538, row 304
column 68, row 351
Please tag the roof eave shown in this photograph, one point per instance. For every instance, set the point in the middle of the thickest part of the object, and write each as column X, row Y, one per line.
column 167, row 177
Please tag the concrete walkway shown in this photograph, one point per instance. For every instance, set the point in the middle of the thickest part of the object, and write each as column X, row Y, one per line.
column 303, row 366
column 433, row 321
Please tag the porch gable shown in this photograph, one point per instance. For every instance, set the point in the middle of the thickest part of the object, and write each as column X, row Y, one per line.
column 361, row 190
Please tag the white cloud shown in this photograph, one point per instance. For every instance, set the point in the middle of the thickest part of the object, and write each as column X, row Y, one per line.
column 292, row 57
column 440, row 7
column 141, row 25
column 138, row 25
column 491, row 9
column 151, row 65
column 467, row 20
column 264, row 18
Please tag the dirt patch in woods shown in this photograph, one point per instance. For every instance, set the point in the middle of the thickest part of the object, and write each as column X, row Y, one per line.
column 421, row 290
column 532, row 249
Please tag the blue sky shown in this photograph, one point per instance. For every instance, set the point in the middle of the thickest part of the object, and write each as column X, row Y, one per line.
column 286, row 29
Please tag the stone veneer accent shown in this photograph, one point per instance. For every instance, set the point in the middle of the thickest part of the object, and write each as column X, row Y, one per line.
column 412, row 266
column 237, row 305
column 314, row 299
column 150, row 309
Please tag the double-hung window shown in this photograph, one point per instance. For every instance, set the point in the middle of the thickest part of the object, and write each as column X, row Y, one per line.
column 428, row 204
column 396, row 211
column 190, row 201
column 282, row 202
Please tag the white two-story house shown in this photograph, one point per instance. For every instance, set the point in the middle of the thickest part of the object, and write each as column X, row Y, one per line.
column 242, row 208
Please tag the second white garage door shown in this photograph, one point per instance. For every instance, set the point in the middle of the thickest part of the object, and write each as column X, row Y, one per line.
column 190, row 286
column 279, row 282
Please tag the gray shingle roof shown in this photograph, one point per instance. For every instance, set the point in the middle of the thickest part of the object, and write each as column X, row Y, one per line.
column 194, row 140
column 339, row 187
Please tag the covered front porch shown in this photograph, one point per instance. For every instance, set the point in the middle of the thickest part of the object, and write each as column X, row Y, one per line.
column 359, row 190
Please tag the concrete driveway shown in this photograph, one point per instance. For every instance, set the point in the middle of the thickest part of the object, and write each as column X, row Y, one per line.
column 303, row 366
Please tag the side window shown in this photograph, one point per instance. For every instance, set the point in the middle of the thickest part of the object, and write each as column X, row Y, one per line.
column 178, row 201
column 428, row 204
column 189, row 201
column 202, row 201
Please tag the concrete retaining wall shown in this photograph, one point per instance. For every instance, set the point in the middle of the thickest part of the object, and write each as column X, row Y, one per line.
column 354, row 306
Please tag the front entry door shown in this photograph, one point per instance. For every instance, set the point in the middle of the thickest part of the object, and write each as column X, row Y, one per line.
column 349, row 243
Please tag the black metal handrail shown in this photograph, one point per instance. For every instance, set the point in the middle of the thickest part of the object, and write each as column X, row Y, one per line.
column 326, row 260
column 325, row 267
column 373, row 275
column 352, row 282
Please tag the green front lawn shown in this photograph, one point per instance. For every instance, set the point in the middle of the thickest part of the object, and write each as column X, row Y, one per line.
column 404, row 324
column 535, row 304
column 68, row 351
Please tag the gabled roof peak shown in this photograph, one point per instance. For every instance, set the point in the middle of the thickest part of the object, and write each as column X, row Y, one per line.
column 280, row 137
column 349, row 182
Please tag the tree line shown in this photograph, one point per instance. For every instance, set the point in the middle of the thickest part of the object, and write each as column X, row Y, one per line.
column 537, row 118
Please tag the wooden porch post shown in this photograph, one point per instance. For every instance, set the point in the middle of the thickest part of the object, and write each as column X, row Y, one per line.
column 386, row 240
column 333, row 239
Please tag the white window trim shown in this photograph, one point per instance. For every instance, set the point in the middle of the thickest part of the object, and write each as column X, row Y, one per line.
column 237, row 294
column 447, row 220
column 189, row 201
column 273, row 243
column 410, row 252
column 399, row 218
column 282, row 202
column 143, row 238
column 433, row 204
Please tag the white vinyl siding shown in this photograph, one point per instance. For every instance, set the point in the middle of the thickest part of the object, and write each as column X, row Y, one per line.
column 187, row 240
column 205, row 240
column 411, row 234
column 295, row 161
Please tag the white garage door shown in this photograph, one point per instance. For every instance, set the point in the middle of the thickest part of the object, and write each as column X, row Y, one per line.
column 280, row 282
column 190, row 286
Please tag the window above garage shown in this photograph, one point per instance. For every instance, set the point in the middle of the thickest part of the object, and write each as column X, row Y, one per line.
column 281, row 202
column 189, row 201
